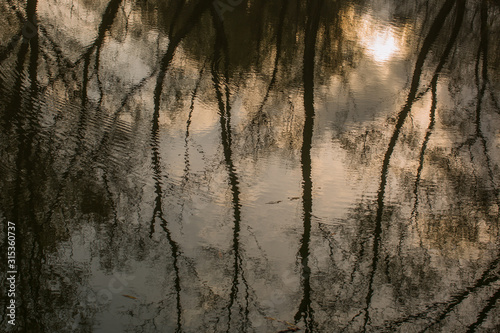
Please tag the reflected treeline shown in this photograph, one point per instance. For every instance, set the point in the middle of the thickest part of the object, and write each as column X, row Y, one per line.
column 95, row 118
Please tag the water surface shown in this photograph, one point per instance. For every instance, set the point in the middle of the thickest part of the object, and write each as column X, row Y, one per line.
column 251, row 166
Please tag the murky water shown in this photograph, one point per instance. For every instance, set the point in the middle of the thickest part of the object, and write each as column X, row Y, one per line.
column 251, row 166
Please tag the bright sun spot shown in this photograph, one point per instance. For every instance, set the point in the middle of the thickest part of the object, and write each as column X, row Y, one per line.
column 382, row 46
column 381, row 42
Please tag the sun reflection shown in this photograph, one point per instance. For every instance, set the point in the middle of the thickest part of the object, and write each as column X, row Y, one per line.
column 381, row 45
column 380, row 40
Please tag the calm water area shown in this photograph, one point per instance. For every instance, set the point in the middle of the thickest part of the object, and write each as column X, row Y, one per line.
column 250, row 166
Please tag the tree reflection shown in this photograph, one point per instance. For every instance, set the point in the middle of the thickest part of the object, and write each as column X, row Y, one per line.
column 305, row 310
